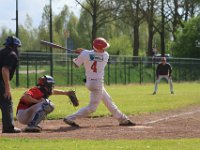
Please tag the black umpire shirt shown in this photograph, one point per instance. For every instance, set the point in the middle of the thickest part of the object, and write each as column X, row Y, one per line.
column 164, row 69
column 9, row 59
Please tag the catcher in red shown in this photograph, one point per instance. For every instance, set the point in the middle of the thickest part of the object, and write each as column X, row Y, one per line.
column 34, row 105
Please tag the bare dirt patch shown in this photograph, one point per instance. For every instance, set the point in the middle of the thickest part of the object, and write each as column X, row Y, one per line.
column 183, row 123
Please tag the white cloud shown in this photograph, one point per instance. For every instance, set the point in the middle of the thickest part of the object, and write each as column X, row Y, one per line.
column 33, row 8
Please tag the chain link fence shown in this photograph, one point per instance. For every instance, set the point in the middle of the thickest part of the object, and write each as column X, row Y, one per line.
column 120, row 69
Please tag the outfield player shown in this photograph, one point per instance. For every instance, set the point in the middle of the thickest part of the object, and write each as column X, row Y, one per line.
column 34, row 105
column 94, row 62
column 163, row 70
column 8, row 63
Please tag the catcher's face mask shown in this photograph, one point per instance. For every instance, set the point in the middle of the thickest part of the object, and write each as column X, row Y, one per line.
column 47, row 82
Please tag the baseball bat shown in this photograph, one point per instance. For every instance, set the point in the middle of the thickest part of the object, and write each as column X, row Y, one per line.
column 53, row 45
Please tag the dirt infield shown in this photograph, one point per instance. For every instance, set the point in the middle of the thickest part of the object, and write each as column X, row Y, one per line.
column 183, row 123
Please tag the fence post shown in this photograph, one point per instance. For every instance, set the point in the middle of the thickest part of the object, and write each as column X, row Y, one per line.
column 179, row 70
column 17, row 76
column 108, row 71
column 71, row 70
column 124, row 69
column 36, row 71
column 115, row 72
column 129, row 73
column 154, row 70
column 68, row 70
column 27, row 73
column 51, row 63
column 140, row 70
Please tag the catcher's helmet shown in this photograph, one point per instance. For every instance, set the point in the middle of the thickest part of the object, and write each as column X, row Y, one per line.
column 46, row 82
column 12, row 41
column 100, row 44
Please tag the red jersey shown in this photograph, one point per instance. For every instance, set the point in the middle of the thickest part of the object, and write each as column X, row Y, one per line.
column 35, row 93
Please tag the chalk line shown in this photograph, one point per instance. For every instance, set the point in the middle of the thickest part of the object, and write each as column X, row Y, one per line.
column 172, row 116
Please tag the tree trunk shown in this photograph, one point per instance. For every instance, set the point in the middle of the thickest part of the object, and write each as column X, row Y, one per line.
column 94, row 29
column 136, row 31
column 162, row 38
column 94, row 22
column 150, row 14
column 150, row 41
column 136, row 40
column 186, row 10
column 175, row 21
column 162, row 34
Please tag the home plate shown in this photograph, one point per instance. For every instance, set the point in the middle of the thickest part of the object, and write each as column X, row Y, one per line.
column 141, row 127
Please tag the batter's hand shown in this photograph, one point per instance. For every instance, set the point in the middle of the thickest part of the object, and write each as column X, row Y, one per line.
column 78, row 50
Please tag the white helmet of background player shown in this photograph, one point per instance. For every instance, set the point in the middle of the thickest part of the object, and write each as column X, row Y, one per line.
column 100, row 44
column 46, row 82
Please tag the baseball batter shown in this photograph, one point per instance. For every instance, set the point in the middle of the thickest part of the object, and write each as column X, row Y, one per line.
column 94, row 62
column 163, row 70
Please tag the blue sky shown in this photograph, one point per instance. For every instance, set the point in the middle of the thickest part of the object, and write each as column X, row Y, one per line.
column 33, row 8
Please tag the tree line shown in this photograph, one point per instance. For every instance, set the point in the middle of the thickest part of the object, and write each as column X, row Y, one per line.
column 132, row 27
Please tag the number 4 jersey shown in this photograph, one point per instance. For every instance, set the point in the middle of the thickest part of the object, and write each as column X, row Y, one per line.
column 93, row 62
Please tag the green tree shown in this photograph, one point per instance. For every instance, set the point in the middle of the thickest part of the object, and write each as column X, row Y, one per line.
column 185, row 44
column 117, row 48
column 120, row 40
column 43, row 30
column 130, row 13
column 4, row 34
column 28, row 35
column 72, row 33
column 101, row 13
column 84, row 30
column 60, row 25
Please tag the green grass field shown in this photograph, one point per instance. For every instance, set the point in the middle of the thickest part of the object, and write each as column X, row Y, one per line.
column 131, row 99
column 24, row 144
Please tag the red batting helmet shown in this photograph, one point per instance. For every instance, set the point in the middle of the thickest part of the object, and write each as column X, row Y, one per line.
column 100, row 44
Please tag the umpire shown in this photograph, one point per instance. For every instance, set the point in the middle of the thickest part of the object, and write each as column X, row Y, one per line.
column 8, row 63
column 164, row 70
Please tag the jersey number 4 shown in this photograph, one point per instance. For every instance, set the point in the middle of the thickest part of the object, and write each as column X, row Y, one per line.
column 94, row 66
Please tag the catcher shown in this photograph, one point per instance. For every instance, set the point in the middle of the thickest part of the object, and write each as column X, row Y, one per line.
column 34, row 105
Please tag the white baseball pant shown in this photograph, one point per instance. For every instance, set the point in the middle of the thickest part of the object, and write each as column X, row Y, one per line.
column 25, row 116
column 169, row 79
column 98, row 93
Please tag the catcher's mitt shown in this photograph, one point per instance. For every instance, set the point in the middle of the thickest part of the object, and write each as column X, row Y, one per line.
column 73, row 98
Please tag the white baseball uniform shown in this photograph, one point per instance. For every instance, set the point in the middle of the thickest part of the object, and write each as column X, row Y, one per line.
column 94, row 64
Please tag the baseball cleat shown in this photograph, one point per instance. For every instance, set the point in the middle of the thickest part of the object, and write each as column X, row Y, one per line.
column 172, row 92
column 70, row 122
column 15, row 130
column 154, row 93
column 32, row 128
column 127, row 123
